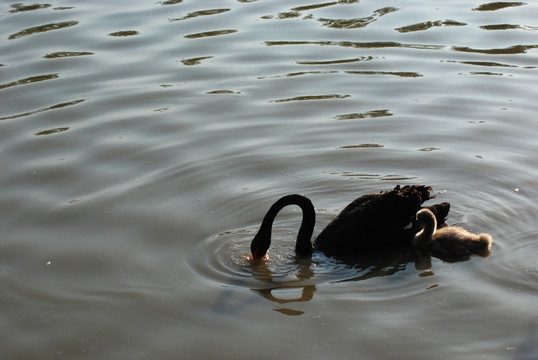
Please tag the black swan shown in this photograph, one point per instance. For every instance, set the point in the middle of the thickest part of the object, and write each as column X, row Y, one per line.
column 450, row 240
column 371, row 222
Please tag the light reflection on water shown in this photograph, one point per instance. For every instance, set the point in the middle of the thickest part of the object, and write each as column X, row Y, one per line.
column 142, row 144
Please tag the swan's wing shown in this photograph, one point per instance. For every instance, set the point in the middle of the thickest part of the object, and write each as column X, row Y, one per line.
column 374, row 221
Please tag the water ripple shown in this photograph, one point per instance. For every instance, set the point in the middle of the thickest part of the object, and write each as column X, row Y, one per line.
column 210, row 34
column 311, row 97
column 508, row 27
column 362, row 146
column 51, row 131
column 170, row 2
column 201, row 13
column 428, row 25
column 363, row 115
column 358, row 45
column 510, row 50
column 22, row 8
column 406, row 74
column 195, row 61
column 63, row 54
column 493, row 6
column 225, row 259
column 358, row 22
column 42, row 28
column 176, row 140
column 124, row 33
column 338, row 61
column 53, row 107
column 314, row 6
column 29, row 80
column 299, row 73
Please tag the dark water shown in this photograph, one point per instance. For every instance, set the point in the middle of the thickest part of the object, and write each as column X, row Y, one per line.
column 142, row 142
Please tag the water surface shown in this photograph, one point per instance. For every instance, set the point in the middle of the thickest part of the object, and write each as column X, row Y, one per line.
column 142, row 143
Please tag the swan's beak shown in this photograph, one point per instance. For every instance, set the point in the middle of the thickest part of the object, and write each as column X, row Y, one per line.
column 259, row 246
column 256, row 256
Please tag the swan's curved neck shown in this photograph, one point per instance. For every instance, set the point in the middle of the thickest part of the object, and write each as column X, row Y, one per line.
column 427, row 221
column 261, row 242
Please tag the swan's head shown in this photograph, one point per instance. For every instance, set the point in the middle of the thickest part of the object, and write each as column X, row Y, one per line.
column 260, row 244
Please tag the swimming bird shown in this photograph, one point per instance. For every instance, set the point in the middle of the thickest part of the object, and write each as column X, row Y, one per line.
column 371, row 222
column 450, row 241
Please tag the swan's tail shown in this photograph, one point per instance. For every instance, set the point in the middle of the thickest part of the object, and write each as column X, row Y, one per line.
column 421, row 192
column 440, row 211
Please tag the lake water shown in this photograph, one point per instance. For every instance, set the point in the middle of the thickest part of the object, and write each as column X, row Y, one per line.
column 142, row 143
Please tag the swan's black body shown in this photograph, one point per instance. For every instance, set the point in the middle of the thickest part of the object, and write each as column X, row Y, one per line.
column 371, row 222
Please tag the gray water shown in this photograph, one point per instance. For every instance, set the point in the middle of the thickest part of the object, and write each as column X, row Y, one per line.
column 142, row 143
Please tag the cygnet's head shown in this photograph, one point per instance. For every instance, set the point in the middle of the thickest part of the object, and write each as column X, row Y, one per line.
column 425, row 216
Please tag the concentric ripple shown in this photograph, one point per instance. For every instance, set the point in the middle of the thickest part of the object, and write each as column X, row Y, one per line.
column 281, row 277
column 225, row 259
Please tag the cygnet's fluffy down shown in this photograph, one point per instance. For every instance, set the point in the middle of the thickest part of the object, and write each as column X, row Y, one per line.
column 449, row 241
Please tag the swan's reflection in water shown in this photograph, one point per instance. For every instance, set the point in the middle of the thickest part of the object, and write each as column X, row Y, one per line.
column 286, row 280
column 304, row 273
column 355, row 268
column 306, row 295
